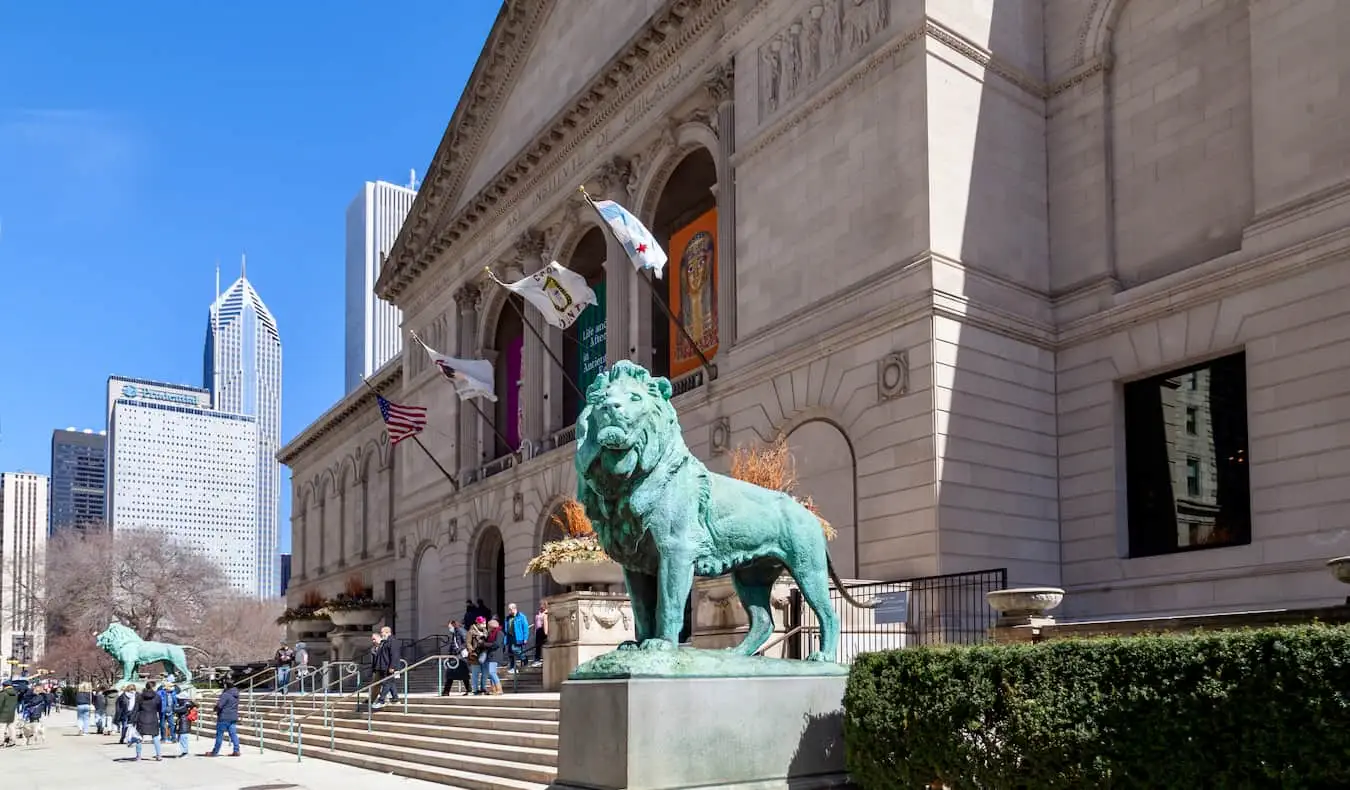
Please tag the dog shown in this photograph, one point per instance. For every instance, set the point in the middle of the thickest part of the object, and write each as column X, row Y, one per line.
column 32, row 732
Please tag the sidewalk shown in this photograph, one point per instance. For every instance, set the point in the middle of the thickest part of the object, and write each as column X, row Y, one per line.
column 68, row 757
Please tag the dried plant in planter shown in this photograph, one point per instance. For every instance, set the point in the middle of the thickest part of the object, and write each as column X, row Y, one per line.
column 309, row 608
column 355, row 586
column 772, row 468
column 580, row 545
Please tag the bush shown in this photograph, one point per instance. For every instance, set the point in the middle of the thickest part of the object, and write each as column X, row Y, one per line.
column 1237, row 709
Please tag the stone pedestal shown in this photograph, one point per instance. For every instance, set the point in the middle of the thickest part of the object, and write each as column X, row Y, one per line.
column 348, row 645
column 720, row 620
column 583, row 625
column 668, row 733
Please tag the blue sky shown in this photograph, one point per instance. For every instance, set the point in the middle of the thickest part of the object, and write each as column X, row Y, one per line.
column 142, row 142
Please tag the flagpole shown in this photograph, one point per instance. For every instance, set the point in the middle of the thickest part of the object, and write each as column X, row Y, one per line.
column 561, row 367
column 474, row 403
column 660, row 300
column 415, row 438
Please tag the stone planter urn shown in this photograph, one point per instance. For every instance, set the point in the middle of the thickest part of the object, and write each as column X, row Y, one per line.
column 356, row 618
column 1024, row 603
column 1340, row 568
column 587, row 574
column 310, row 625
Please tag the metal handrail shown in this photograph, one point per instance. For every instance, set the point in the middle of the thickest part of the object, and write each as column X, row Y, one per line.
column 781, row 638
column 299, row 724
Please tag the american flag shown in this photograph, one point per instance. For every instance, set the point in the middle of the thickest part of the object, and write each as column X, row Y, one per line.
column 402, row 421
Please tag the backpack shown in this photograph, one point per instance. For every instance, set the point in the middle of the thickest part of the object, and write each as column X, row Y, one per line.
column 192, row 715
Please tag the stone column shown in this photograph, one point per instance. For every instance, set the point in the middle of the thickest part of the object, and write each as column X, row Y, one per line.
column 720, row 84
column 298, row 545
column 583, row 625
column 535, row 365
column 363, row 500
column 611, row 183
column 323, row 530
column 467, row 298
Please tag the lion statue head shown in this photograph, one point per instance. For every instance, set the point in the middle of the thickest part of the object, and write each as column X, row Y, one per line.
column 626, row 427
column 114, row 637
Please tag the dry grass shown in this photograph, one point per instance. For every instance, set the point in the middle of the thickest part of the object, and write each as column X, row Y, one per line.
column 772, row 467
column 571, row 519
column 312, row 599
column 355, row 586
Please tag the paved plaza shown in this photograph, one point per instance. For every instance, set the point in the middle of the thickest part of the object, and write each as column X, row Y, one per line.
column 67, row 757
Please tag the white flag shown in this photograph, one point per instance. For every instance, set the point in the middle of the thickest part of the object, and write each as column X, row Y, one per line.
column 558, row 292
column 472, row 378
column 637, row 241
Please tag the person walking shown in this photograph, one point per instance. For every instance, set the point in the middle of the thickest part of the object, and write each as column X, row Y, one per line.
column 9, row 709
column 302, row 669
column 494, row 646
column 477, row 658
column 227, row 719
column 459, row 650
column 126, row 708
column 184, row 716
column 84, row 706
column 540, row 633
column 517, row 629
column 285, row 662
column 388, row 662
column 109, row 711
column 146, row 720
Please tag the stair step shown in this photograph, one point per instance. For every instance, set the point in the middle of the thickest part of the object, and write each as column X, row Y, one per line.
column 399, row 765
column 496, row 737
column 472, row 773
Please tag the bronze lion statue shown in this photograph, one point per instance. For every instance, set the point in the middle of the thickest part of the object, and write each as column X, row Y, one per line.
column 659, row 512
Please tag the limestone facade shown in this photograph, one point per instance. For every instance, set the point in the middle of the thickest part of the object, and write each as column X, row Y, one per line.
column 949, row 233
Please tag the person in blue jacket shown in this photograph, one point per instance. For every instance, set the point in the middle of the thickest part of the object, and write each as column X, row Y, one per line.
column 517, row 637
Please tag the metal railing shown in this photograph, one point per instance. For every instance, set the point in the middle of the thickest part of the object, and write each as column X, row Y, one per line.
column 946, row 609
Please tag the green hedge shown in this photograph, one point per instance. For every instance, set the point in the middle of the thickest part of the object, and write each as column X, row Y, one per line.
column 1237, row 709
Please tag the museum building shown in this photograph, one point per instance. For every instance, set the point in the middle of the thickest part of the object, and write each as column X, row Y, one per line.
column 1055, row 287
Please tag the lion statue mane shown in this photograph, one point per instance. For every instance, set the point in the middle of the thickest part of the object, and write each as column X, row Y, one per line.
column 659, row 513
column 130, row 651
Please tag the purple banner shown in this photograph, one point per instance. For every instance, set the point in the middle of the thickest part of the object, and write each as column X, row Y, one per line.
column 514, row 408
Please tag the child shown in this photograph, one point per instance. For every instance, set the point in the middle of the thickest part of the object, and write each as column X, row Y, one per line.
column 184, row 716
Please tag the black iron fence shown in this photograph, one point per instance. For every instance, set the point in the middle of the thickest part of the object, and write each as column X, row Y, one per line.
column 947, row 609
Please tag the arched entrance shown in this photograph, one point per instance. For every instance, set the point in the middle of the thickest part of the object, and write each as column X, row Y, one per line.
column 584, row 341
column 489, row 576
column 429, row 601
column 826, row 472
column 685, row 224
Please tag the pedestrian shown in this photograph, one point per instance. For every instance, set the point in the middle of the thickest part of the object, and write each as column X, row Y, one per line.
column 302, row 668
column 459, row 659
column 477, row 657
column 109, row 712
column 184, row 716
column 126, row 708
column 168, row 700
column 494, row 646
column 9, row 708
column 389, row 660
column 227, row 719
column 540, row 633
column 285, row 662
column 517, row 628
column 84, row 706
column 145, row 720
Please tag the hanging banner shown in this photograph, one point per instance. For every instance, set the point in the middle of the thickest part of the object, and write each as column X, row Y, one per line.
column 591, row 331
column 693, row 291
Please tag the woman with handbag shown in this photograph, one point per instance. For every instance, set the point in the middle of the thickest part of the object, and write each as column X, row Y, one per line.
column 477, row 657
column 458, row 663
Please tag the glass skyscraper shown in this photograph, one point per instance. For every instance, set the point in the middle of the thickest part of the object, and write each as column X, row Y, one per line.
column 243, row 372
column 79, row 463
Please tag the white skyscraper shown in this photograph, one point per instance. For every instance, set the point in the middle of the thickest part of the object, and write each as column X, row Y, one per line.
column 243, row 372
column 373, row 221
column 23, row 536
column 179, row 467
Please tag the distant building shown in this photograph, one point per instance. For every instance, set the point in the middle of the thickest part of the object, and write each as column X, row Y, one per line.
column 178, row 467
column 374, row 334
column 79, row 466
column 285, row 573
column 243, row 372
column 23, row 539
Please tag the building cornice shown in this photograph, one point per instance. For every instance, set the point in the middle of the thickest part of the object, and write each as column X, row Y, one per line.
column 646, row 55
column 386, row 380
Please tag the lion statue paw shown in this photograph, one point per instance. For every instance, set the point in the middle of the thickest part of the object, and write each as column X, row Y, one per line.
column 658, row 644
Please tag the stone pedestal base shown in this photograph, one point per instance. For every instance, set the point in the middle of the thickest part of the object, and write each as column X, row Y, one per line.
column 583, row 625
column 348, row 645
column 720, row 620
column 669, row 733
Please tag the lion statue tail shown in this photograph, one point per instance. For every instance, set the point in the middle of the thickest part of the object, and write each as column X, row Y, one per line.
column 839, row 585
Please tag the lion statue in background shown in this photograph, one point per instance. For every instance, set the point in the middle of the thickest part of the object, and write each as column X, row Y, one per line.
column 130, row 651
column 659, row 513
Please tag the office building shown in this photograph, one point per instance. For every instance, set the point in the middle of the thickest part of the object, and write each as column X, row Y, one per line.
column 373, row 325
column 178, row 467
column 285, row 573
column 243, row 373
column 77, row 482
column 23, row 538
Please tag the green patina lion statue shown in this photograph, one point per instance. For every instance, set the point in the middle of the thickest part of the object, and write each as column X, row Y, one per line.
column 659, row 512
column 131, row 652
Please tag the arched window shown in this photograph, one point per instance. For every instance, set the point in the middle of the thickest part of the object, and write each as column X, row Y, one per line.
column 584, row 341
column 685, row 224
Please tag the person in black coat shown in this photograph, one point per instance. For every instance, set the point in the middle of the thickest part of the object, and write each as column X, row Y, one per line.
column 459, row 665
column 388, row 660
column 145, row 719
column 227, row 719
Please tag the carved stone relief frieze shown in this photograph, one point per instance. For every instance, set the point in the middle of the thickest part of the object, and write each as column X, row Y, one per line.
column 814, row 44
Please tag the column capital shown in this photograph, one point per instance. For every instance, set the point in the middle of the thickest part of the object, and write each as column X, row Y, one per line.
column 529, row 246
column 612, row 178
column 720, row 82
column 467, row 298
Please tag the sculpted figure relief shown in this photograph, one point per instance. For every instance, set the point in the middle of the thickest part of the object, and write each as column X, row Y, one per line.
column 130, row 651
column 659, row 512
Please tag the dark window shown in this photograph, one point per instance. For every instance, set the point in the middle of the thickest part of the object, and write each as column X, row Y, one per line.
column 1186, row 461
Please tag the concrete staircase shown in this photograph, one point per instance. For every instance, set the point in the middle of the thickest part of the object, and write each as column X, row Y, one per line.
column 506, row 742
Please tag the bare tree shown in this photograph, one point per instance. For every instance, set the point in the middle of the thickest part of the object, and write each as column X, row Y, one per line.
column 237, row 629
column 157, row 586
column 74, row 655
